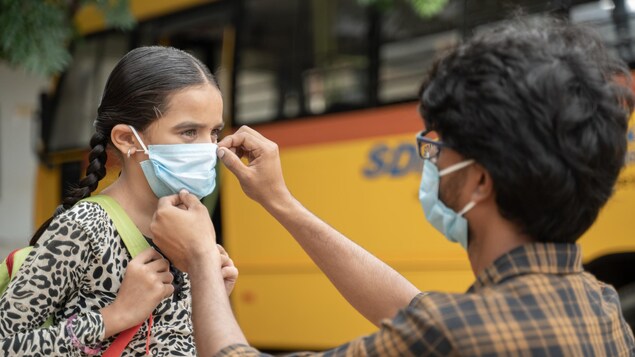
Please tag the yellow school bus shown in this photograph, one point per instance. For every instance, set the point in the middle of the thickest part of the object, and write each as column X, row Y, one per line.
column 334, row 84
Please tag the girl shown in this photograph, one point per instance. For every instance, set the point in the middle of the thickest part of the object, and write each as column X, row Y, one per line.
column 160, row 113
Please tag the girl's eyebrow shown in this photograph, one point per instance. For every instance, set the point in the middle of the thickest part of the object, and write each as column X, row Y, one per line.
column 188, row 125
column 195, row 125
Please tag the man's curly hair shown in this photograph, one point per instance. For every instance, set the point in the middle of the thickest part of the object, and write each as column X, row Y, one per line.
column 544, row 108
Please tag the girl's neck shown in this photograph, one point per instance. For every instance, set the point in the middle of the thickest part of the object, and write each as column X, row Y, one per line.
column 136, row 198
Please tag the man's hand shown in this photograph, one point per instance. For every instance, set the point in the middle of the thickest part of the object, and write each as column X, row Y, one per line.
column 183, row 230
column 228, row 270
column 261, row 179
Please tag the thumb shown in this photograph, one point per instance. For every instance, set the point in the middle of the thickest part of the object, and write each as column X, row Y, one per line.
column 188, row 199
column 232, row 162
column 169, row 201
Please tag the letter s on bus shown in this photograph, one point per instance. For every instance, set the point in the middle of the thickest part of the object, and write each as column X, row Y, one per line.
column 377, row 161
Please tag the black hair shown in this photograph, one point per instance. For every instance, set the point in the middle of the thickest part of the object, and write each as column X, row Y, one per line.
column 137, row 91
column 544, row 109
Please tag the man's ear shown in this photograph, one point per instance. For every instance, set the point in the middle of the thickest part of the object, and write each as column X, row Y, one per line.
column 124, row 140
column 484, row 189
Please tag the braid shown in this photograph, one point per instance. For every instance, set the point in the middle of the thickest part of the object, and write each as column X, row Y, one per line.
column 95, row 171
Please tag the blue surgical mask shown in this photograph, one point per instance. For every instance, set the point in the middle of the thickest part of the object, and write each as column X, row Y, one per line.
column 171, row 168
column 452, row 224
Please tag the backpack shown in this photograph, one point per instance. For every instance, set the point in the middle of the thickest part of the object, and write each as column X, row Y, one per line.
column 133, row 240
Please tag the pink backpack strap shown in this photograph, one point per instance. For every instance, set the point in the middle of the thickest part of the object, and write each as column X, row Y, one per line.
column 123, row 339
column 9, row 261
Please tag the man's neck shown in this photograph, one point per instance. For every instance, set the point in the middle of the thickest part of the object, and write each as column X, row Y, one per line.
column 491, row 241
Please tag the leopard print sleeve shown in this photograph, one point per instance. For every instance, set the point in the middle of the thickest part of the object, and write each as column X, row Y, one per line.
column 53, row 270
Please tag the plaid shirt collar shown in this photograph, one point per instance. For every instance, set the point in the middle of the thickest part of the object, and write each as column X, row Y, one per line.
column 545, row 258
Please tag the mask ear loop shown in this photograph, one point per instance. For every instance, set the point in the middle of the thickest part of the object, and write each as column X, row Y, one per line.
column 455, row 167
column 134, row 131
column 467, row 207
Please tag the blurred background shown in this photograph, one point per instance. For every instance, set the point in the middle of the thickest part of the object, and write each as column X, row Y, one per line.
column 333, row 82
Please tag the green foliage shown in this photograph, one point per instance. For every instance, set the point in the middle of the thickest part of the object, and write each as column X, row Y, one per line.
column 116, row 13
column 428, row 8
column 425, row 8
column 35, row 34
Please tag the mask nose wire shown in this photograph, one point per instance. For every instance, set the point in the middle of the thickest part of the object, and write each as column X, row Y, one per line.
column 134, row 131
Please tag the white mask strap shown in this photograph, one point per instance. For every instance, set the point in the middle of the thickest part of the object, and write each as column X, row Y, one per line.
column 455, row 167
column 467, row 207
column 134, row 131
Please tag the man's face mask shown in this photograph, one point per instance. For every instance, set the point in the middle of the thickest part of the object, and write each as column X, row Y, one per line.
column 452, row 224
column 171, row 168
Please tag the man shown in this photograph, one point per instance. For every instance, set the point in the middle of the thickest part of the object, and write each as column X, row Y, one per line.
column 525, row 137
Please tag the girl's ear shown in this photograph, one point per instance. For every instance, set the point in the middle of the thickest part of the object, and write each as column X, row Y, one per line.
column 124, row 140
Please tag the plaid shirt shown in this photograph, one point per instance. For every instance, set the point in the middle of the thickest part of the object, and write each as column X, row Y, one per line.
column 536, row 300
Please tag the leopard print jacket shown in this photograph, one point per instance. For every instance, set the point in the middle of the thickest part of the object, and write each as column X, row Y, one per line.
column 77, row 268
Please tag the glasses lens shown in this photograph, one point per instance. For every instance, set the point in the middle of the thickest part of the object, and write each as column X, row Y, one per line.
column 429, row 145
column 429, row 151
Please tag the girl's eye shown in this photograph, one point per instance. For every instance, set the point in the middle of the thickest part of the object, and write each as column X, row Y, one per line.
column 215, row 134
column 190, row 133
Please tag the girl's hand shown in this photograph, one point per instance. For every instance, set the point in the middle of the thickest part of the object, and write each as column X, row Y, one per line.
column 228, row 270
column 146, row 282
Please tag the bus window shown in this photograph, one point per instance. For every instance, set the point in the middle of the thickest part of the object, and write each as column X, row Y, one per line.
column 409, row 47
column 312, row 59
column 614, row 21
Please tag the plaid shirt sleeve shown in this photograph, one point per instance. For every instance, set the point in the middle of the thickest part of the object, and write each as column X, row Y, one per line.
column 411, row 333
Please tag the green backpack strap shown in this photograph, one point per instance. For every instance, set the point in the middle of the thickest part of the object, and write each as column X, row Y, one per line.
column 5, row 277
column 132, row 237
column 19, row 256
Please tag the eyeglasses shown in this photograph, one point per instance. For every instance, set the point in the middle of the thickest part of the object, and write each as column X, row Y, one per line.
column 428, row 145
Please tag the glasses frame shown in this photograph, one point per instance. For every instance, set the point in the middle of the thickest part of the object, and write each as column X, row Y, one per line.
column 422, row 140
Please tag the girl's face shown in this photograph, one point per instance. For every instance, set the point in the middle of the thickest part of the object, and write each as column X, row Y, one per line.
column 194, row 115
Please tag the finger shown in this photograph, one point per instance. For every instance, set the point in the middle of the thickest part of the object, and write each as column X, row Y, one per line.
column 229, row 272
column 147, row 255
column 225, row 142
column 159, row 265
column 166, row 277
column 245, row 140
column 224, row 260
column 229, row 263
column 228, row 140
column 169, row 201
column 168, row 290
column 189, row 200
column 251, row 131
column 233, row 163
